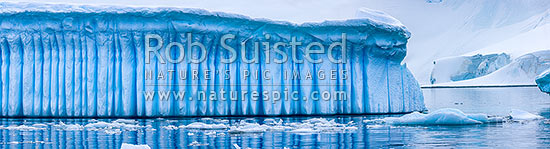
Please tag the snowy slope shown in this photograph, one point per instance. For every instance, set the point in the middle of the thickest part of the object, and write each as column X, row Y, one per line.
column 521, row 71
column 453, row 28
column 521, row 48
column 535, row 39
column 459, row 68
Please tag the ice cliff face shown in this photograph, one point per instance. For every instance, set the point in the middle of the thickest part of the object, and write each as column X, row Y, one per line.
column 87, row 61
column 467, row 67
column 520, row 71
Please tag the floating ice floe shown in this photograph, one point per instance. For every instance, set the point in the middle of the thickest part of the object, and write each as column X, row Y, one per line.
column 450, row 116
column 112, row 125
column 304, row 131
column 169, row 127
column 40, row 125
column 112, row 131
column 195, row 143
column 245, row 127
column 204, row 126
column 210, row 133
column 22, row 128
column 126, row 121
column 236, row 146
column 133, row 146
column 519, row 115
column 207, row 119
column 315, row 125
column 27, row 142
column 69, row 127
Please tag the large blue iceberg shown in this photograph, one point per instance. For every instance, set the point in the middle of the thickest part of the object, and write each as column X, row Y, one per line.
column 543, row 81
column 95, row 61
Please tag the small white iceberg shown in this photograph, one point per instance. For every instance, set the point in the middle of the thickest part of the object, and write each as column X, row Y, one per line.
column 196, row 143
column 204, row 126
column 132, row 146
column 520, row 115
column 450, row 116
column 245, row 127
column 446, row 116
column 22, row 128
column 309, row 126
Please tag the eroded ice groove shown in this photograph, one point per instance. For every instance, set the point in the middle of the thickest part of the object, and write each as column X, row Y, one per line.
column 88, row 61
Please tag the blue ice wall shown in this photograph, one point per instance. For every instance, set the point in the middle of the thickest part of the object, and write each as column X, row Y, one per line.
column 87, row 61
column 543, row 81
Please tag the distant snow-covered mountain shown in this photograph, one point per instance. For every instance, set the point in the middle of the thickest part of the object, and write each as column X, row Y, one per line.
column 456, row 28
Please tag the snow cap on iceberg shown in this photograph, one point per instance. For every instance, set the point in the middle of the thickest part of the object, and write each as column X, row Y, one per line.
column 374, row 18
column 381, row 18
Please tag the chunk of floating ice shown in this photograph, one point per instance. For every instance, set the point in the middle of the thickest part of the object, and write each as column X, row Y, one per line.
column 236, row 146
column 521, row 115
column 315, row 125
column 221, row 121
column 126, row 121
column 304, row 130
column 112, row 131
column 169, row 127
column 112, row 125
column 207, row 119
column 271, row 121
column 245, row 127
column 201, row 125
column 40, row 125
column 210, row 133
column 69, row 127
column 447, row 116
column 195, row 143
column 22, row 128
column 133, row 146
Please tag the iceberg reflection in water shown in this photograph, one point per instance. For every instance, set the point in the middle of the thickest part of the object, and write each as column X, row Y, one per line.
column 166, row 134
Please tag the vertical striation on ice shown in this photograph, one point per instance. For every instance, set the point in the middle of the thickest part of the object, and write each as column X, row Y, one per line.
column 89, row 61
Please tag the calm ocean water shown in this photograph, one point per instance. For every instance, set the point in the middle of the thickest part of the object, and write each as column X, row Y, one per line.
column 301, row 132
